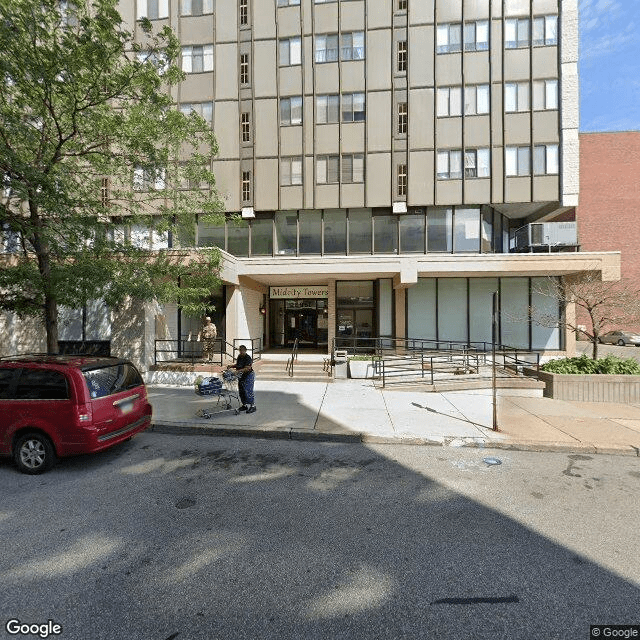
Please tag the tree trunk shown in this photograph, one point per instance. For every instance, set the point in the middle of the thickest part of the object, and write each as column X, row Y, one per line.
column 41, row 247
column 594, row 342
column 51, row 323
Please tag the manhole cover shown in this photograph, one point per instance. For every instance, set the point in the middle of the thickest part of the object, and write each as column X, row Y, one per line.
column 491, row 460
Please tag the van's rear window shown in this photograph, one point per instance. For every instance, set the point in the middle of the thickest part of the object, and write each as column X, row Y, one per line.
column 107, row 381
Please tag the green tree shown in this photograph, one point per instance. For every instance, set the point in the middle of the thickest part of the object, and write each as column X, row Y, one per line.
column 90, row 147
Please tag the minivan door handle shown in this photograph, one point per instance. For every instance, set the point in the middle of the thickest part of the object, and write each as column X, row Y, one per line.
column 117, row 403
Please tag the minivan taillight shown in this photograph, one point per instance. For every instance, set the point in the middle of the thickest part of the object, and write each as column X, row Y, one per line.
column 84, row 413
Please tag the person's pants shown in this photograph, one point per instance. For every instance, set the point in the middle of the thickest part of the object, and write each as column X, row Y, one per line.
column 245, row 388
column 208, row 347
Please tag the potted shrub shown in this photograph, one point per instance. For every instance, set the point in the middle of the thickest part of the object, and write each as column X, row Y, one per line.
column 362, row 367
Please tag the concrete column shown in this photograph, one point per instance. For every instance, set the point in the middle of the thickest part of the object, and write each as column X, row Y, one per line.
column 331, row 306
column 231, row 315
column 400, row 319
column 569, row 335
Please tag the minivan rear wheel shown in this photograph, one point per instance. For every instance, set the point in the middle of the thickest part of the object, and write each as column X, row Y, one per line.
column 34, row 453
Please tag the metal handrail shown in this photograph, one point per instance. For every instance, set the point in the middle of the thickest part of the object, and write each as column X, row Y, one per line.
column 190, row 350
column 406, row 354
column 293, row 358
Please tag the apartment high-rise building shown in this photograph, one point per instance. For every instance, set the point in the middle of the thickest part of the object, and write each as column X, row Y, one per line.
column 381, row 154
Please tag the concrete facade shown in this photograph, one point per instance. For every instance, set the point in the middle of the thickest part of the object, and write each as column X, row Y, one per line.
column 378, row 142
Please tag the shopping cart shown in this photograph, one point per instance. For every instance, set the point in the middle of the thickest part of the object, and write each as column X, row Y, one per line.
column 225, row 390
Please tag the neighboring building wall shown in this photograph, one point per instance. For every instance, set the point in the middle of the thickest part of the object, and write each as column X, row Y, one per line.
column 609, row 212
column 21, row 335
column 130, row 334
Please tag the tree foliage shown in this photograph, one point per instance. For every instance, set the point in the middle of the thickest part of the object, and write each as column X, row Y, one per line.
column 91, row 149
column 607, row 305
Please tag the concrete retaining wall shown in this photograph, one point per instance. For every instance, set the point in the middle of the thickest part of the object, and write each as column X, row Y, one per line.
column 589, row 388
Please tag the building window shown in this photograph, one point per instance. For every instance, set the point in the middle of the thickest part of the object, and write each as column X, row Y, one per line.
column 104, row 192
column 153, row 9
column 195, row 7
column 516, row 97
column 290, row 52
column 517, row 161
column 327, row 109
column 346, row 169
column 287, row 3
column 449, row 38
column 449, row 164
column 545, row 94
column 326, row 48
column 476, row 100
column 244, row 68
column 352, row 168
column 245, row 126
column 158, row 60
column 402, row 56
column 328, row 169
column 516, row 33
column 402, row 180
column 476, row 36
column 246, row 186
column 545, row 31
column 196, row 59
column 291, row 111
column 148, row 179
column 449, row 101
column 545, row 159
column 323, row 1
column 403, row 117
column 244, row 12
column 352, row 45
column 353, row 107
column 476, row 163
column 290, row 171
column 402, row 5
column 203, row 109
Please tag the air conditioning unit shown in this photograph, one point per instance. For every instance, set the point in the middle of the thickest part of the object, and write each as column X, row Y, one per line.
column 546, row 235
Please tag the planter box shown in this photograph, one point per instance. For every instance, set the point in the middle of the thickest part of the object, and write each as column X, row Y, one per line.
column 589, row 388
column 362, row 369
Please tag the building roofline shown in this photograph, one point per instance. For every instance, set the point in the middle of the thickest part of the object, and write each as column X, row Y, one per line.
column 586, row 133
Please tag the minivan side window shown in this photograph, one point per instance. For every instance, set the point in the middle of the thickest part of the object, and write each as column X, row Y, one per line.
column 107, row 381
column 41, row 384
column 6, row 377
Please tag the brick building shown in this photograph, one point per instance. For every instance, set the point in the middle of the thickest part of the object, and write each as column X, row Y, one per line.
column 609, row 211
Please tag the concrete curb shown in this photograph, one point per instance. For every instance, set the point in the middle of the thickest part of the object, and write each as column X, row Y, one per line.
column 187, row 428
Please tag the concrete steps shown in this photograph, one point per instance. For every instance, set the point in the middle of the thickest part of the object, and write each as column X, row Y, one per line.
column 303, row 370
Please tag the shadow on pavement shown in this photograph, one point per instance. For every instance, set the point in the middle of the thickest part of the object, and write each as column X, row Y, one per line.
column 202, row 538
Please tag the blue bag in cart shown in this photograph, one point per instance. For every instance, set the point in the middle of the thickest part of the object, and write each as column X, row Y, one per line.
column 209, row 387
column 224, row 390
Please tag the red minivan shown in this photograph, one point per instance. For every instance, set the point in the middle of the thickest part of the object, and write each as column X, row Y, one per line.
column 53, row 406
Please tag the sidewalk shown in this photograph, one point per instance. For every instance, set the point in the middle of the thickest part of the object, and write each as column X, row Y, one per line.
column 355, row 411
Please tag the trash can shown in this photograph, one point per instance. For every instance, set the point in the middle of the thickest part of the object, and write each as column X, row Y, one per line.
column 340, row 366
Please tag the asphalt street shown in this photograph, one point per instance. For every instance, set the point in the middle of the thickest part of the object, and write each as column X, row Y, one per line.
column 628, row 351
column 192, row 537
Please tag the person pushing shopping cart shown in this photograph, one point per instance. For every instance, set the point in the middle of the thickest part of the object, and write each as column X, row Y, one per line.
column 246, row 379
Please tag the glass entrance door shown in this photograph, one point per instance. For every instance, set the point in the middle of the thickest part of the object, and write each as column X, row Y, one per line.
column 305, row 320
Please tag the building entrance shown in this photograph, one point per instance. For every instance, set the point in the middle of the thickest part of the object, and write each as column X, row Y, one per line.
column 305, row 319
